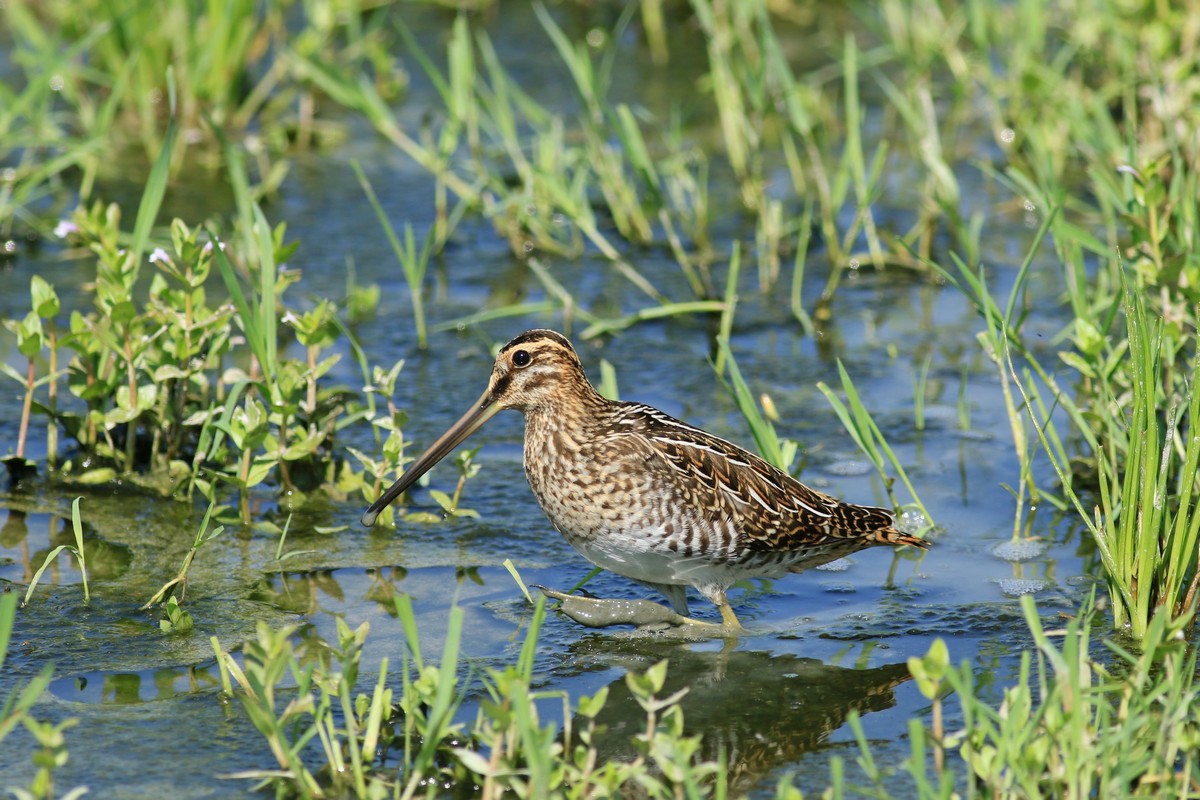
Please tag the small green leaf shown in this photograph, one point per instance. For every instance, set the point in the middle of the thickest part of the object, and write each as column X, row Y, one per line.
column 930, row 670
column 1078, row 362
column 45, row 300
column 29, row 335
column 589, row 707
column 442, row 499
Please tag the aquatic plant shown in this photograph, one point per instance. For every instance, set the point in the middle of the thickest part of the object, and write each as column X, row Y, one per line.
column 412, row 262
column 232, row 62
column 204, row 535
column 1068, row 727
column 79, row 551
column 1146, row 525
column 507, row 748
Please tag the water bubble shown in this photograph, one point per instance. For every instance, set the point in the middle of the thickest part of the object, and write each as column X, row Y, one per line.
column 839, row 588
column 10, row 246
column 854, row 263
column 528, row 247
column 1015, row 587
column 848, row 467
column 1031, row 218
column 56, row 83
column 912, row 521
column 838, row 565
column 1019, row 550
column 1007, row 135
column 596, row 37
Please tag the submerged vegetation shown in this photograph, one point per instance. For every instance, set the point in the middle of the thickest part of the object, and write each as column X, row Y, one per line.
column 188, row 365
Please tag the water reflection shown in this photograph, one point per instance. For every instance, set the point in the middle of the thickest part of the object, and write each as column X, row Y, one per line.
column 304, row 592
column 26, row 539
column 126, row 688
column 757, row 709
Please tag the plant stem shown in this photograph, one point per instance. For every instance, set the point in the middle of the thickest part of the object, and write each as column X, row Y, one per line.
column 25, row 409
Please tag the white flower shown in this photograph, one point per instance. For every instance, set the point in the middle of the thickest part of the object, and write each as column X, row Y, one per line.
column 159, row 256
column 65, row 228
column 207, row 249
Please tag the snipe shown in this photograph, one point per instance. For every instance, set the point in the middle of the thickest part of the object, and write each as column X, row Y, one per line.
column 648, row 497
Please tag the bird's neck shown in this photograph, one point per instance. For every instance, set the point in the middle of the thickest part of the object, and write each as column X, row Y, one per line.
column 575, row 416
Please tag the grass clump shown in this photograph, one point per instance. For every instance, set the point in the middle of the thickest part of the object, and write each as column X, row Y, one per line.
column 1145, row 526
column 1092, row 105
column 1069, row 726
column 232, row 61
column 508, row 747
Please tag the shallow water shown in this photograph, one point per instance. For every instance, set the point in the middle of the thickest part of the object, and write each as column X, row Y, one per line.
column 818, row 646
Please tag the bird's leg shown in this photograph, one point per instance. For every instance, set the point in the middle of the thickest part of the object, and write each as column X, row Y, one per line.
column 599, row 613
column 728, row 618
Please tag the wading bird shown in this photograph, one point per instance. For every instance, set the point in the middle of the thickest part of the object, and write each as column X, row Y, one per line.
column 646, row 496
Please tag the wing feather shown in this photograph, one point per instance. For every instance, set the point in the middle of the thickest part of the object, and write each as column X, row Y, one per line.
column 773, row 511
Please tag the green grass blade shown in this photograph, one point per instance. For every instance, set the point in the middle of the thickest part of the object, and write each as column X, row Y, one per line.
column 512, row 570
column 156, row 182
column 412, row 263
column 766, row 440
column 37, row 576
column 80, row 553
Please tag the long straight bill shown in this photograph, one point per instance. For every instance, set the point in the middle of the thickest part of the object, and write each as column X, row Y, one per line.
column 481, row 412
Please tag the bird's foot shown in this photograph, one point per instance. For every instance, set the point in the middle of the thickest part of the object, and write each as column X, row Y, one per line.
column 596, row 612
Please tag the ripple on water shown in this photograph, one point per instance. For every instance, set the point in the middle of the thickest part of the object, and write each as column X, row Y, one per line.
column 977, row 621
column 838, row 565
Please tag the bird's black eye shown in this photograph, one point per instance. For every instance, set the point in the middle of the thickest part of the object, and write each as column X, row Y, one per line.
column 521, row 358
